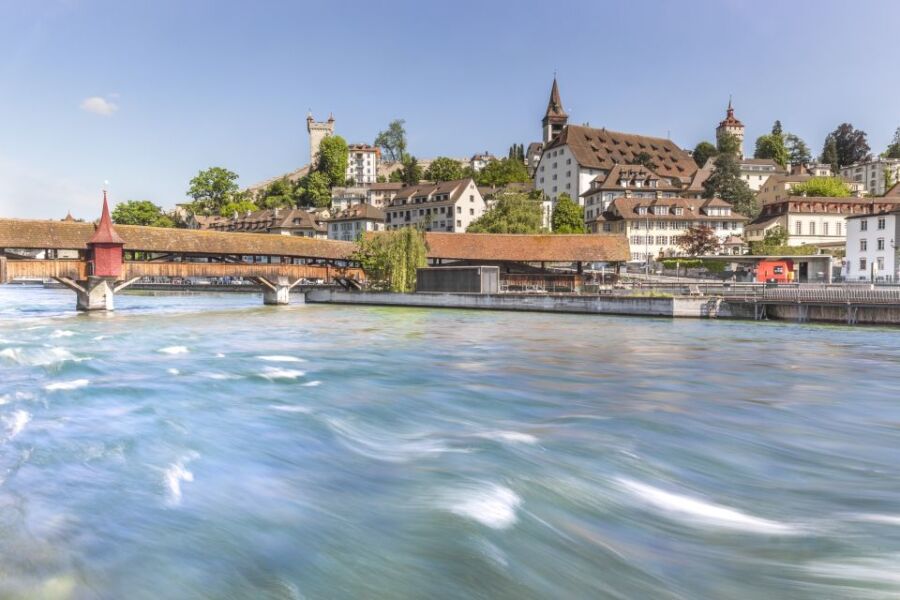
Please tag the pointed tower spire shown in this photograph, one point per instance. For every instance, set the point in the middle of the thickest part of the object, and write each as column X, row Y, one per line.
column 555, row 119
column 105, row 232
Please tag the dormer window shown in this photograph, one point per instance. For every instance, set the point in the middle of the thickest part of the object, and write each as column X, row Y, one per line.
column 642, row 210
column 679, row 211
column 660, row 210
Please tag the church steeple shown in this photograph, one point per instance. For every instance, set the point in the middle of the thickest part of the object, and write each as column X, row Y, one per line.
column 555, row 118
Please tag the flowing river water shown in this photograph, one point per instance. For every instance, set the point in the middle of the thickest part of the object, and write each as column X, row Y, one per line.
column 205, row 446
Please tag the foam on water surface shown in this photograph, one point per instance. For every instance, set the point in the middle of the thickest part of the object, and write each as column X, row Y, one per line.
column 67, row 385
column 701, row 512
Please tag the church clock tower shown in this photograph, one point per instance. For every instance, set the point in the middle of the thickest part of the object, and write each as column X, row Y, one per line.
column 555, row 118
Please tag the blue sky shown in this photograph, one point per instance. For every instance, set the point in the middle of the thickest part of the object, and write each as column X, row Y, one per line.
column 145, row 94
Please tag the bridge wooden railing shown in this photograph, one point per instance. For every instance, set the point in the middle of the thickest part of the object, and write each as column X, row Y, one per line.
column 45, row 269
column 273, row 271
column 77, row 270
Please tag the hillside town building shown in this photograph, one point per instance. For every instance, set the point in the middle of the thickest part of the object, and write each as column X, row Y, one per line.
column 445, row 206
column 635, row 181
column 362, row 163
column 376, row 194
column 480, row 161
column 778, row 187
column 813, row 220
column 872, row 174
column 348, row 224
column 281, row 221
column 653, row 226
column 573, row 155
column 871, row 250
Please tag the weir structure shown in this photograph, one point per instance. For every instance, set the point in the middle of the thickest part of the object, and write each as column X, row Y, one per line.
column 96, row 262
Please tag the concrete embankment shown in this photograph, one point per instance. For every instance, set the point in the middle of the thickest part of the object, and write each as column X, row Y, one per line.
column 653, row 306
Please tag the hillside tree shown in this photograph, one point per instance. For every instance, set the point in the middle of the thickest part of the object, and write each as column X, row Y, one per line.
column 798, row 151
column 511, row 213
column 568, row 216
column 444, row 169
column 392, row 140
column 726, row 183
column 212, row 189
column 333, row 159
column 851, row 144
column 703, row 152
column 698, row 241
column 141, row 212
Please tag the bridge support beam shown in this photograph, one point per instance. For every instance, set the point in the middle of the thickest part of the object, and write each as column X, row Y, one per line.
column 97, row 293
column 277, row 292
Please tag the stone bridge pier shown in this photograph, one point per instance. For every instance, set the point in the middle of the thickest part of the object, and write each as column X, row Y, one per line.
column 96, row 293
column 277, row 292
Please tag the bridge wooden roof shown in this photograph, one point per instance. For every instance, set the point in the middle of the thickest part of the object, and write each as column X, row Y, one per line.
column 528, row 248
column 17, row 233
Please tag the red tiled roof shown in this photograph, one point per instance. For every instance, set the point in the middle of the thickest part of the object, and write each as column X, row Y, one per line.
column 105, row 232
column 528, row 248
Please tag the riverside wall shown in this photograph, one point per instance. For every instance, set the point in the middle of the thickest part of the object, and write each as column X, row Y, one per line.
column 650, row 306
column 613, row 305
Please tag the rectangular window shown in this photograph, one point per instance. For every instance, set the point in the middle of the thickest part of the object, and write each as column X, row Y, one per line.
column 459, row 210
column 837, row 228
column 797, row 227
column 459, row 223
column 862, row 264
column 879, row 262
column 863, row 245
column 880, row 244
column 471, row 211
column 812, row 228
column 880, row 222
column 863, row 225
column 825, row 228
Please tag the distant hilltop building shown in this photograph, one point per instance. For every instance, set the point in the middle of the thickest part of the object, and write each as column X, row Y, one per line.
column 731, row 126
column 318, row 131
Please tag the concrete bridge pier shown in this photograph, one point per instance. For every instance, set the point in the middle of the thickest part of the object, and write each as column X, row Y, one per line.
column 277, row 292
column 96, row 293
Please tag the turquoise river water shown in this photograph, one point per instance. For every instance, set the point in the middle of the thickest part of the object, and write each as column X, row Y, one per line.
column 205, row 446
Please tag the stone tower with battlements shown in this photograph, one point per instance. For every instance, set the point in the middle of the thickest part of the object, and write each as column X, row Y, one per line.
column 318, row 131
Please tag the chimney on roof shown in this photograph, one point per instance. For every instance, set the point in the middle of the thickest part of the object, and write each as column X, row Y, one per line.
column 276, row 212
column 248, row 214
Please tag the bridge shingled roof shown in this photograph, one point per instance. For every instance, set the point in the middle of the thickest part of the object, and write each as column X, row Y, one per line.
column 16, row 233
column 529, row 248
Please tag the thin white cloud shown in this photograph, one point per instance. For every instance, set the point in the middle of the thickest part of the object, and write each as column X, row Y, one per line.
column 99, row 106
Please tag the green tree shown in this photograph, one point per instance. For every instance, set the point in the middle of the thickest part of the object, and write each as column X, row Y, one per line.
column 568, row 216
column 644, row 159
column 798, row 151
column 698, row 241
column 444, row 169
column 141, row 212
column 777, row 129
column 392, row 140
column 314, row 190
column 333, row 158
column 771, row 146
column 893, row 149
column 826, row 187
column 511, row 213
column 703, row 152
column 888, row 180
column 725, row 181
column 241, row 207
column 502, row 172
column 410, row 173
column 390, row 258
column 212, row 189
column 851, row 145
column 281, row 193
column 830, row 154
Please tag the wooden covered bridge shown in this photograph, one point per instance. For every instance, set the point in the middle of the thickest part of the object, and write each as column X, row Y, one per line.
column 96, row 262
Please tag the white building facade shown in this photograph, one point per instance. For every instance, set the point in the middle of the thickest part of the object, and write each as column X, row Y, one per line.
column 448, row 206
column 872, row 174
column 362, row 164
column 871, row 251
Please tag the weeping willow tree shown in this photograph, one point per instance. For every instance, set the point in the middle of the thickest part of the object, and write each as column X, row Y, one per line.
column 390, row 258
